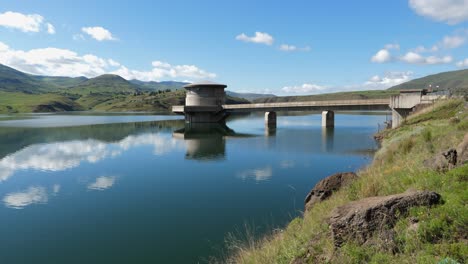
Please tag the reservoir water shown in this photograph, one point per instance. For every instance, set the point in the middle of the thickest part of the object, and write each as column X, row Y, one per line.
column 149, row 189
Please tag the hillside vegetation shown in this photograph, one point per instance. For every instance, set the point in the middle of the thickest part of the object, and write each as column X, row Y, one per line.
column 440, row 232
column 21, row 92
column 373, row 94
column 455, row 82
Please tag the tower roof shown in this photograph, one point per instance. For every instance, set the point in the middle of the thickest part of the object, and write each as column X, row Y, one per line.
column 205, row 84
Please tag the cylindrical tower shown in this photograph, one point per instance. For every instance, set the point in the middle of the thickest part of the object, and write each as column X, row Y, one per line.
column 204, row 102
column 205, row 94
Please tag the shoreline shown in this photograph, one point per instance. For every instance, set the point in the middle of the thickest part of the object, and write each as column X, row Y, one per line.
column 396, row 168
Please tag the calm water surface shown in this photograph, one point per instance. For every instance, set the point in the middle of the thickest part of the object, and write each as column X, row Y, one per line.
column 148, row 189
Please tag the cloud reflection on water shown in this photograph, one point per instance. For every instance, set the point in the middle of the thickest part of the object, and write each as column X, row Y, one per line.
column 60, row 156
column 32, row 195
column 102, row 183
column 258, row 174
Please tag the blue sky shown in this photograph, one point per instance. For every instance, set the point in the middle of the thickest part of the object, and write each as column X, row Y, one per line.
column 287, row 48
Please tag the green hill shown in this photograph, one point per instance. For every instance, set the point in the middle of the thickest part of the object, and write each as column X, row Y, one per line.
column 249, row 96
column 454, row 81
column 106, row 83
column 12, row 80
column 59, row 82
column 21, row 92
column 158, row 86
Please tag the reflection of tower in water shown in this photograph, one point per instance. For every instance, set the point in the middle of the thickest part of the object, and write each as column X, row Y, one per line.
column 327, row 138
column 205, row 141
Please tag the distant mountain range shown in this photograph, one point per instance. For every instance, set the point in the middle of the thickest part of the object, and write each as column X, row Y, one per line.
column 455, row 82
column 12, row 80
column 22, row 92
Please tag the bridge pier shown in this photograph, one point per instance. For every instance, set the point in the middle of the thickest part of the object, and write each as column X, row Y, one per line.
column 270, row 118
column 399, row 115
column 328, row 119
column 270, row 123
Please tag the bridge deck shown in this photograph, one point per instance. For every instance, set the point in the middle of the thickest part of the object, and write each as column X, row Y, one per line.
column 359, row 104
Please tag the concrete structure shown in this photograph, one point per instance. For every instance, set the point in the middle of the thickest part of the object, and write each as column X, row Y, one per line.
column 407, row 101
column 270, row 118
column 204, row 104
column 328, row 119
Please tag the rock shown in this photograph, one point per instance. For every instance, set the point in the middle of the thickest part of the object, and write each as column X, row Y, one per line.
column 462, row 151
column 451, row 157
column 360, row 219
column 444, row 161
column 324, row 188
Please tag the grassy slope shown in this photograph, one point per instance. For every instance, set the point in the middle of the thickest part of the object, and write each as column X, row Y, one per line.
column 107, row 83
column 377, row 94
column 455, row 81
column 396, row 168
column 26, row 103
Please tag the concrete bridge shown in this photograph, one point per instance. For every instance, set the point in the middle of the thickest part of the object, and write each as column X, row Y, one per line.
column 204, row 104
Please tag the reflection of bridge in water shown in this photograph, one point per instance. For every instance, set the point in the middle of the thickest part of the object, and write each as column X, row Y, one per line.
column 204, row 103
column 207, row 142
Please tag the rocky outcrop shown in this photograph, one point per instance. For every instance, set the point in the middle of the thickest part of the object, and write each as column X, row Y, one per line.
column 462, row 151
column 324, row 188
column 443, row 161
column 359, row 220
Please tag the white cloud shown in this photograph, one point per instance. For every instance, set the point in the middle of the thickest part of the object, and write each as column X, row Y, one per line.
column 306, row 88
column 50, row 28
column 456, row 40
column 382, row 56
column 53, row 61
column 102, row 183
column 413, row 57
column 388, row 80
column 451, row 42
column 260, row 37
column 32, row 195
column 165, row 70
column 416, row 58
column 421, row 49
column 63, row 62
column 448, row 11
column 390, row 46
column 98, row 33
column 286, row 47
column 259, row 174
column 463, row 63
column 113, row 63
column 25, row 23
column 376, row 82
